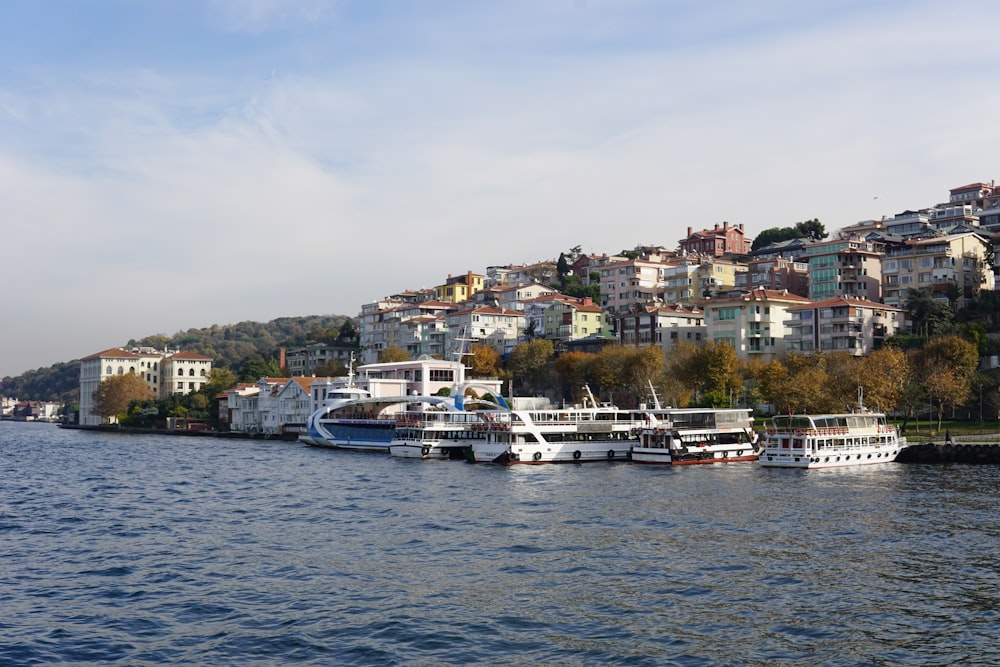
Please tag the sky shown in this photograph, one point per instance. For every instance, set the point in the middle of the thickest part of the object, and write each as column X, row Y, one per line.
column 174, row 164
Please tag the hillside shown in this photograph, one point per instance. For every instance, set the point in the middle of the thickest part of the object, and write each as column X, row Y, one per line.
column 230, row 346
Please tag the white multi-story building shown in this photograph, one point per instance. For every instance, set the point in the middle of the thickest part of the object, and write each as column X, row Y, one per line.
column 165, row 372
column 497, row 327
column 755, row 323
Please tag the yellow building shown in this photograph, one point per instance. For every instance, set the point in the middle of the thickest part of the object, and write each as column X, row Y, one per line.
column 459, row 288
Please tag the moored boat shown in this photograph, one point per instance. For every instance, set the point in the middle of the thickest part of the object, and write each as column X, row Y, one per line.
column 559, row 435
column 437, row 434
column 830, row 440
column 685, row 436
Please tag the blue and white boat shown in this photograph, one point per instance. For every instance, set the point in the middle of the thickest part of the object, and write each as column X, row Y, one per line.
column 364, row 415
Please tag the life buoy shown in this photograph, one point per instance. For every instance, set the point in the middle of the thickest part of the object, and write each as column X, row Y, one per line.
column 537, row 456
column 611, row 453
column 576, row 454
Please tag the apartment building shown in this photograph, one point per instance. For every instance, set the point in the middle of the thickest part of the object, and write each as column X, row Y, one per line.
column 661, row 325
column 953, row 266
column 568, row 318
column 842, row 324
column 755, row 323
column 775, row 274
column 847, row 266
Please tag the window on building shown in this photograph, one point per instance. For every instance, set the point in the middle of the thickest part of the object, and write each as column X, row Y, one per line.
column 191, row 372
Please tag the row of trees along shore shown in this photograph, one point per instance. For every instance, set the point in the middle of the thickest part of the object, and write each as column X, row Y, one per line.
column 937, row 374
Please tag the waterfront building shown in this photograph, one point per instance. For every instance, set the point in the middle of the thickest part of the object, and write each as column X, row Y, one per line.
column 754, row 323
column 166, row 372
column 842, row 324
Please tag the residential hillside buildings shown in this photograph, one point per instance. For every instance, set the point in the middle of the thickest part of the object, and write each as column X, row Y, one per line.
column 713, row 288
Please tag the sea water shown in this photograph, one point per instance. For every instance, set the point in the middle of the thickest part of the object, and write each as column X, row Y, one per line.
column 150, row 550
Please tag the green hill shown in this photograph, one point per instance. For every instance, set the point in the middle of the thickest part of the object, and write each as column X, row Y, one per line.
column 230, row 346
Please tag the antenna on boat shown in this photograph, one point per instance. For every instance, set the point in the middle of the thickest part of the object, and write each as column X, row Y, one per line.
column 861, row 398
column 350, row 371
column 656, row 399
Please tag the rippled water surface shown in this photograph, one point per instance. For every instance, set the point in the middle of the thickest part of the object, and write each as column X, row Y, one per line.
column 152, row 550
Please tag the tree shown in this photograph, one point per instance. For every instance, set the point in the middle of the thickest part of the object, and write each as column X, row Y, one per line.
column 811, row 229
column 219, row 380
column 574, row 369
column 393, row 353
column 884, row 375
column 528, row 361
column 944, row 367
column 331, row 368
column 929, row 316
column 114, row 394
column 484, row 361
column 257, row 367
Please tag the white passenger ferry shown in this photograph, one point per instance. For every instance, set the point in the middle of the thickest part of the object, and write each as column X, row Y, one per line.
column 830, row 440
column 438, row 433
column 686, row 436
column 559, row 435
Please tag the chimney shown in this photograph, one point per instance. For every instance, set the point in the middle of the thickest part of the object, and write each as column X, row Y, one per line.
column 282, row 361
column 725, row 225
column 716, row 225
column 690, row 231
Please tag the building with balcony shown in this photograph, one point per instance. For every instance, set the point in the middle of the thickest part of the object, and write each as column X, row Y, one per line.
column 842, row 324
column 568, row 318
column 953, row 267
column 661, row 325
column 632, row 281
column 775, row 274
column 754, row 323
column 847, row 266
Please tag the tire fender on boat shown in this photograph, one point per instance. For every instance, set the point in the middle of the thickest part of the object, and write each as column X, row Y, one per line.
column 425, row 450
column 537, row 456
column 611, row 453
column 576, row 454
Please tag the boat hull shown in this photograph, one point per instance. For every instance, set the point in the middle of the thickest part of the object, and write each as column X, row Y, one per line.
column 829, row 459
column 573, row 452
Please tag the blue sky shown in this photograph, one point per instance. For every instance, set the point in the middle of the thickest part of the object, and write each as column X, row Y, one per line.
column 175, row 164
